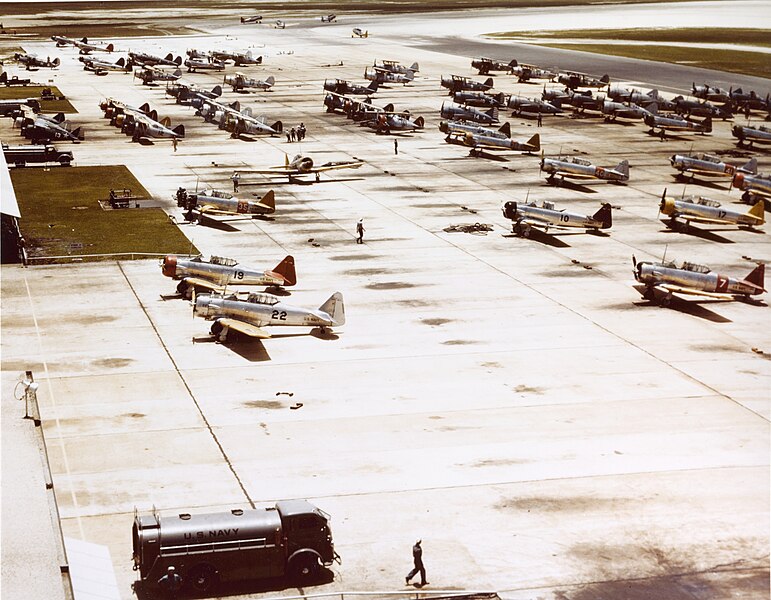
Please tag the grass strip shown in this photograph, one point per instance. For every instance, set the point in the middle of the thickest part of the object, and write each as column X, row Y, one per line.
column 17, row 92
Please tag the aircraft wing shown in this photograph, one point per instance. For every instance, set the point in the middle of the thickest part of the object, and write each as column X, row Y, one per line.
column 208, row 209
column 204, row 283
column 706, row 220
column 573, row 175
column 708, row 173
column 245, row 328
column 675, row 289
column 337, row 165
column 531, row 220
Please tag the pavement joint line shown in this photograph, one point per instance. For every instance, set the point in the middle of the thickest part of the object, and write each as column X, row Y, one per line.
column 187, row 387
column 61, row 439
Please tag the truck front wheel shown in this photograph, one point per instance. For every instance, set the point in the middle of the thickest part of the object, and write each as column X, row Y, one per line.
column 304, row 567
column 202, row 577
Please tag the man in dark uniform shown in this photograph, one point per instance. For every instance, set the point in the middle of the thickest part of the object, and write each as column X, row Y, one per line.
column 170, row 583
column 417, row 559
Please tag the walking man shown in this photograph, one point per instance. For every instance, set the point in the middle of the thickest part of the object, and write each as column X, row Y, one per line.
column 396, row 146
column 360, row 232
column 540, row 119
column 417, row 559
column 174, row 142
column 301, row 132
column 292, row 134
column 236, row 178
column 170, row 583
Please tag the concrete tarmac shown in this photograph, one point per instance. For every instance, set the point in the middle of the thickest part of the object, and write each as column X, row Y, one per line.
column 513, row 402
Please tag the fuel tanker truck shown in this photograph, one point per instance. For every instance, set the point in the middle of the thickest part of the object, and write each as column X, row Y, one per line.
column 291, row 539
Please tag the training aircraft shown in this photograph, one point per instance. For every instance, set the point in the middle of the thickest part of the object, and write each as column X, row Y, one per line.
column 467, row 113
column 461, row 127
column 583, row 101
column 753, row 135
column 709, row 165
column 149, row 60
column 249, row 315
column 338, row 102
column 303, row 165
column 346, row 88
column 645, row 100
column 395, row 67
column 44, row 129
column 14, row 80
column 701, row 109
column 750, row 100
column 481, row 99
column 219, row 272
column 359, row 33
column 617, row 110
column 525, row 216
column 145, row 128
column 457, row 83
column 713, row 94
column 252, row 19
column 387, row 122
column 527, row 72
column 200, row 64
column 383, row 76
column 752, row 185
column 31, row 61
column 279, row 24
column 486, row 65
column 242, row 83
column 554, row 95
column 150, row 75
column 243, row 122
column 581, row 168
column 479, row 142
column 531, row 106
column 672, row 123
column 215, row 202
column 238, row 58
column 100, row 67
column 190, row 93
column 573, row 80
column 328, row 18
column 82, row 45
column 694, row 280
column 223, row 115
column 698, row 209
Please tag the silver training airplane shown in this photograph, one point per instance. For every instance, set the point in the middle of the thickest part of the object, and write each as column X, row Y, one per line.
column 250, row 315
column 580, row 168
column 357, row 32
column 384, row 76
column 482, row 99
column 491, row 140
column 698, row 209
column 100, row 67
column 252, row 19
column 31, row 61
column 752, row 185
column 693, row 280
column 328, row 18
column 150, row 75
column 618, row 110
column 753, row 135
column 201, row 64
column 242, row 83
column 217, row 273
column 303, row 165
column 525, row 216
column 672, row 123
column 708, row 165
column 620, row 94
column 149, row 60
column 83, row 45
column 461, row 127
column 216, row 202
column 467, row 113
column 486, row 65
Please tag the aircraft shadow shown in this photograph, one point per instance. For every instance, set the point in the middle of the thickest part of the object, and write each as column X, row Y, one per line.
column 214, row 224
column 245, row 347
column 704, row 234
column 700, row 182
column 623, row 123
column 542, row 237
column 324, row 335
column 576, row 187
column 694, row 308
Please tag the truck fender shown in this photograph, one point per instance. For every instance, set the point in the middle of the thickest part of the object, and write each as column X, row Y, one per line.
column 304, row 564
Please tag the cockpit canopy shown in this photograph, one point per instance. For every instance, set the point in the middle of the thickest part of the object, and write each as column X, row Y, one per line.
column 225, row 262
column 266, row 299
column 581, row 161
column 695, row 268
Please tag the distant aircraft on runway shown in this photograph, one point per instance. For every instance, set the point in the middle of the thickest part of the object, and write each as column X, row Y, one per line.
column 526, row 216
column 248, row 316
column 359, row 33
column 328, row 18
column 486, row 65
column 753, row 135
column 252, row 19
column 480, row 99
column 580, row 168
column 693, row 280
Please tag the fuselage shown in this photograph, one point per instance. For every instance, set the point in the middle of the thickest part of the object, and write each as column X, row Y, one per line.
column 654, row 274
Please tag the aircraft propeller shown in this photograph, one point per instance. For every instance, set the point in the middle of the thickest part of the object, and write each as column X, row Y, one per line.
column 661, row 204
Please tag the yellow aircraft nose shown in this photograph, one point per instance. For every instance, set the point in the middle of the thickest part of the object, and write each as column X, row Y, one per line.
column 667, row 206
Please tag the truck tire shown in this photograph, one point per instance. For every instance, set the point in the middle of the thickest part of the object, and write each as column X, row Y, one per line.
column 304, row 567
column 202, row 577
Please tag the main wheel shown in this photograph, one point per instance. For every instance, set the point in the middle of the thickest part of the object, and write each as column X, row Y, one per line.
column 216, row 328
column 304, row 567
column 202, row 577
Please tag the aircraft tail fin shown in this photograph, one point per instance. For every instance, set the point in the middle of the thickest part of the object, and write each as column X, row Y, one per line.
column 177, row 61
column 415, row 67
column 271, row 81
column 84, row 40
column 605, row 78
column 153, row 115
column 121, row 62
column 179, row 130
column 653, row 108
column 759, row 211
column 335, row 309
column 165, row 121
column 366, row 33
column 56, row 62
column 389, row 108
column 169, row 56
column 501, row 98
column 751, row 166
column 216, row 91
column 177, row 73
column 513, row 62
column 3, row 77
column 269, row 200
column 77, row 134
column 623, row 168
column 373, row 86
column 278, row 126
column 145, row 108
column 58, row 117
column 489, row 82
column 493, row 113
column 605, row 216
column 286, row 267
column 757, row 277
column 110, row 48
column 420, row 122
column 505, row 129
column 535, row 142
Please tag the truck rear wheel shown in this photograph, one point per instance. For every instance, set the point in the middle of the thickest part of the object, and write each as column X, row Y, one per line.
column 304, row 567
column 202, row 577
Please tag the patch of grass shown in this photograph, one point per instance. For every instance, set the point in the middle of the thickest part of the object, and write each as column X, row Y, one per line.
column 732, row 61
column 100, row 29
column 704, row 35
column 61, row 214
column 33, row 91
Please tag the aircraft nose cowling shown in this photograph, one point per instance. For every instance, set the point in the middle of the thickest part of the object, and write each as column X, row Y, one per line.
column 169, row 268
column 667, row 206
column 738, row 180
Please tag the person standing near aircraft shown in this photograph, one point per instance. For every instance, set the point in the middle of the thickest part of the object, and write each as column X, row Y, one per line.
column 360, row 232
column 292, row 134
column 396, row 146
column 301, row 132
column 174, row 143
column 540, row 119
column 417, row 559
column 235, row 178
